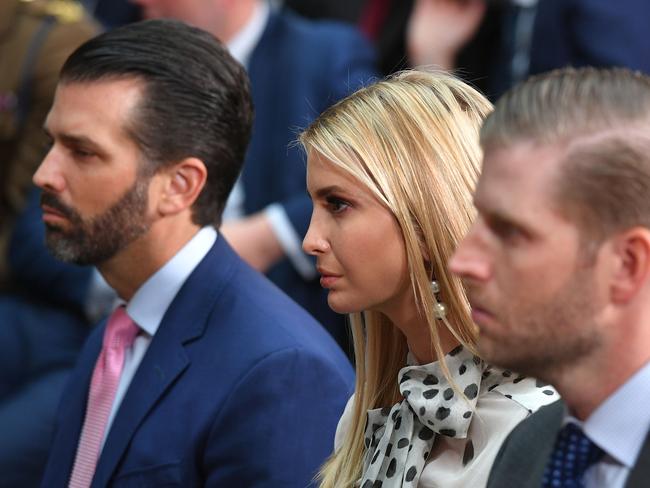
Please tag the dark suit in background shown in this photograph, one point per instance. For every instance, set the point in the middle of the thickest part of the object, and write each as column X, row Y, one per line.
column 597, row 33
column 554, row 34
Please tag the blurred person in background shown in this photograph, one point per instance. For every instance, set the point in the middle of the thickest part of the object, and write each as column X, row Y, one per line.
column 35, row 38
column 113, row 13
column 497, row 43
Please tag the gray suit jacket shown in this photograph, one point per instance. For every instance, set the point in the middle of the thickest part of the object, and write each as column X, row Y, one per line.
column 522, row 458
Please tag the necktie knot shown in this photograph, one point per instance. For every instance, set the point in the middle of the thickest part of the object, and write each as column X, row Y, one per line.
column 572, row 455
column 120, row 330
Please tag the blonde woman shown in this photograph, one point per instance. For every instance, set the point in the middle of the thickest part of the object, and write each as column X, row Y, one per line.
column 391, row 170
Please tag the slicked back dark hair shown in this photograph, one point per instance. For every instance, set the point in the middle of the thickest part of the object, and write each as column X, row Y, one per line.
column 195, row 102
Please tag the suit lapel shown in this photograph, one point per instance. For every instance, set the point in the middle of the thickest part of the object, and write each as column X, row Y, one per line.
column 166, row 357
column 72, row 411
column 544, row 433
column 640, row 475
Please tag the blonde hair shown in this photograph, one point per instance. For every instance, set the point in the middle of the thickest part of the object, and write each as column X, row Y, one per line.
column 412, row 140
column 602, row 117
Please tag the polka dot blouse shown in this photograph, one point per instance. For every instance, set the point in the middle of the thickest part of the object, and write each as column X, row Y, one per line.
column 444, row 435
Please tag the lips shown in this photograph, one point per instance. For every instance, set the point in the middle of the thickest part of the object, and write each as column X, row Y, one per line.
column 55, row 213
column 52, row 206
column 47, row 210
column 480, row 313
column 480, row 316
column 328, row 279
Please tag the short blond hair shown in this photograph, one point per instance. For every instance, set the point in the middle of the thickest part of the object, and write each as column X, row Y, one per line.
column 602, row 117
column 412, row 140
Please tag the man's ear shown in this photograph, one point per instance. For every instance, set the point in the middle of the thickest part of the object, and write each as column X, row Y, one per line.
column 631, row 249
column 182, row 184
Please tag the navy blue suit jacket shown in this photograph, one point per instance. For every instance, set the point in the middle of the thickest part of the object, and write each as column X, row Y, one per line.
column 239, row 388
column 298, row 69
column 591, row 33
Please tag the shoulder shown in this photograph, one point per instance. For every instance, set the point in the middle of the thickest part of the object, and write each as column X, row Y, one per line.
column 304, row 38
column 344, row 423
column 527, row 392
column 522, row 457
column 237, row 316
column 316, row 30
column 255, row 299
column 63, row 11
column 67, row 23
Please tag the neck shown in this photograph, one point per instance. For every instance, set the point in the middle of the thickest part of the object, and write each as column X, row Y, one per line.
column 418, row 336
column 238, row 15
column 130, row 268
column 585, row 385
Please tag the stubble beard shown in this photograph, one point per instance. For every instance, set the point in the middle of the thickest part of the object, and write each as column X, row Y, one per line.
column 552, row 337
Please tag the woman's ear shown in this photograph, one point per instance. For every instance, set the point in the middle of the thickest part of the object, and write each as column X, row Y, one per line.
column 631, row 251
column 182, row 185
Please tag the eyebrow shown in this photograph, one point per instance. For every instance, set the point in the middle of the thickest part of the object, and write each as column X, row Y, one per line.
column 327, row 190
column 495, row 214
column 71, row 139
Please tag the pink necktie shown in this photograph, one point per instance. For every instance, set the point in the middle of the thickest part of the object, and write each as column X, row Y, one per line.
column 119, row 335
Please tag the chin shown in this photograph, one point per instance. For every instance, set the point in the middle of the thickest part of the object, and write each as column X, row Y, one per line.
column 340, row 306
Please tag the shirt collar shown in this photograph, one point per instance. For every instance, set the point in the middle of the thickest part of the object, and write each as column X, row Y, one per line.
column 242, row 45
column 150, row 302
column 620, row 424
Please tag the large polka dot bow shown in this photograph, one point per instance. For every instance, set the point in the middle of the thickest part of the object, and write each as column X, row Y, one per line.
column 399, row 439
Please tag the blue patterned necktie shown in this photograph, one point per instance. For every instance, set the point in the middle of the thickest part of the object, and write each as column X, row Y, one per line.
column 572, row 454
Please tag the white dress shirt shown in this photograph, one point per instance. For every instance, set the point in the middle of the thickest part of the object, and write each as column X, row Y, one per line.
column 150, row 303
column 619, row 427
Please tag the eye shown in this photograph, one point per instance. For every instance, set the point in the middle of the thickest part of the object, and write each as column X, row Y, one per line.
column 80, row 153
column 336, row 205
column 506, row 230
column 48, row 144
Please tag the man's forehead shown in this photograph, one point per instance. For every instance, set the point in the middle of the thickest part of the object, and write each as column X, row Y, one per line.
column 100, row 111
column 102, row 97
column 524, row 161
column 524, row 171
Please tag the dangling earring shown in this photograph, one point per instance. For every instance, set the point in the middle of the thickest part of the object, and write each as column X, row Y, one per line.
column 439, row 308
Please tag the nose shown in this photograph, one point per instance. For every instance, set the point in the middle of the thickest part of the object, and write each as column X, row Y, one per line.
column 471, row 261
column 47, row 176
column 314, row 242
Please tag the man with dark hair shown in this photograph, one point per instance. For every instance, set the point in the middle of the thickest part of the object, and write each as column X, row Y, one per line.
column 207, row 376
column 557, row 269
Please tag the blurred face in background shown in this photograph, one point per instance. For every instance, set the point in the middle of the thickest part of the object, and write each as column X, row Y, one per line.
column 357, row 242
column 206, row 14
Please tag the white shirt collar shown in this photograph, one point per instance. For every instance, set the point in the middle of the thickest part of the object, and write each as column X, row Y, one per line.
column 150, row 302
column 620, row 424
column 241, row 46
